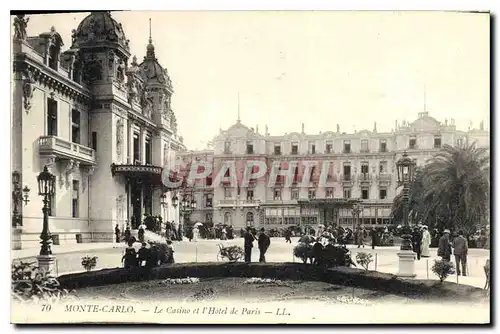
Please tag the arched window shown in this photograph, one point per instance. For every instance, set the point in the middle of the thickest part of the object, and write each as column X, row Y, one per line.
column 227, row 218
column 250, row 221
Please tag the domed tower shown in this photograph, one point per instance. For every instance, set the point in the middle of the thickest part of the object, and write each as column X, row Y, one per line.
column 101, row 50
column 157, row 90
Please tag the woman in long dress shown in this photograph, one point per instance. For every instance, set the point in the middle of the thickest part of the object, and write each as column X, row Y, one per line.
column 426, row 242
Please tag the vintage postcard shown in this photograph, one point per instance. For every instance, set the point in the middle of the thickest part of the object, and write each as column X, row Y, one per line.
column 253, row 167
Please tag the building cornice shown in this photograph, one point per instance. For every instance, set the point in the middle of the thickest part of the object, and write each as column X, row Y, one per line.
column 24, row 63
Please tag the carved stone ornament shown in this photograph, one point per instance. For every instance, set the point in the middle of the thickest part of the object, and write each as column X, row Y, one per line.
column 20, row 24
column 132, row 89
column 50, row 162
column 67, row 173
column 28, row 88
column 87, row 172
column 119, row 138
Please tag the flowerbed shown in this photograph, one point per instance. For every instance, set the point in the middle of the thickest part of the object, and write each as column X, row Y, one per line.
column 351, row 277
column 188, row 280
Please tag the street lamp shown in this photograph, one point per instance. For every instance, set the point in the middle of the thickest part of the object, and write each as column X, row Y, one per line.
column 18, row 195
column 46, row 188
column 356, row 209
column 406, row 172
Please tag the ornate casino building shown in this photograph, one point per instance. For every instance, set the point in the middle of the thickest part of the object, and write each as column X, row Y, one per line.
column 101, row 120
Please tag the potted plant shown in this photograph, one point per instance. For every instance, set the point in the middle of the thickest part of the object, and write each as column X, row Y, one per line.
column 89, row 262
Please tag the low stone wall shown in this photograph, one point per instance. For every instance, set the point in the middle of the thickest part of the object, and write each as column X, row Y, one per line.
column 358, row 278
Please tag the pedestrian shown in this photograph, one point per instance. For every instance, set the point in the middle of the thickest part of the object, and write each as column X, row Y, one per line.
column 140, row 233
column 129, row 259
column 444, row 247
column 127, row 234
column 359, row 238
column 374, row 237
column 288, row 236
column 416, row 239
column 223, row 234
column 264, row 242
column 426, row 242
column 460, row 250
column 142, row 255
column 171, row 251
column 152, row 256
column 248, row 245
column 317, row 251
column 117, row 234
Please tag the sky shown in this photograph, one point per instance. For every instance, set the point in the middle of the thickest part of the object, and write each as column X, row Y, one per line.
column 319, row 68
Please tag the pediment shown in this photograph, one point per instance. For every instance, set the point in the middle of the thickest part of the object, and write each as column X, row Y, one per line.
column 425, row 123
column 239, row 130
column 294, row 135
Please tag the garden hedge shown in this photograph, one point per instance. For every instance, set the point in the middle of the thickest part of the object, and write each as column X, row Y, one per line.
column 351, row 277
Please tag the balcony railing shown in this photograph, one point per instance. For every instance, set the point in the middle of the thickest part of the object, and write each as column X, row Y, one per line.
column 238, row 202
column 346, row 178
column 384, row 178
column 364, row 177
column 65, row 149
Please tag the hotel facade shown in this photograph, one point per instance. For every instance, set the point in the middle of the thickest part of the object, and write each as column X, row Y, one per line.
column 100, row 121
column 360, row 168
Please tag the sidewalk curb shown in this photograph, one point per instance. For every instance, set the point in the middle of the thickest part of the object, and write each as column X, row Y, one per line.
column 65, row 252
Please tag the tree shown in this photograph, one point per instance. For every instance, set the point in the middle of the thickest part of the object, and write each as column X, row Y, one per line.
column 457, row 184
column 451, row 191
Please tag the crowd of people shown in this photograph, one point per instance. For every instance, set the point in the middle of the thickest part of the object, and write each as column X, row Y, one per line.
column 149, row 255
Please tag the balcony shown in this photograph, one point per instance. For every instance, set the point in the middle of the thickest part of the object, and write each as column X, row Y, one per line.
column 346, row 179
column 384, row 178
column 364, row 178
column 232, row 203
column 51, row 145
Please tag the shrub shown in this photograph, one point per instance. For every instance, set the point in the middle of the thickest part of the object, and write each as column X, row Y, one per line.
column 334, row 256
column 30, row 284
column 303, row 251
column 443, row 269
column 89, row 263
column 364, row 259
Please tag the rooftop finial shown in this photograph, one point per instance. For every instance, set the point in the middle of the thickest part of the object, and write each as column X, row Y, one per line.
column 150, row 39
column 150, row 49
column 425, row 97
column 239, row 119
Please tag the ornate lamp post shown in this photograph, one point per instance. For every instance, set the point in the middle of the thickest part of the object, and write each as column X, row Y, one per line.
column 406, row 173
column 356, row 210
column 186, row 205
column 18, row 195
column 164, row 204
column 46, row 188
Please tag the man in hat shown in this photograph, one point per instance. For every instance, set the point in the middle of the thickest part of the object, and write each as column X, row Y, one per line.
column 248, row 244
column 426, row 242
column 264, row 241
column 460, row 249
column 444, row 246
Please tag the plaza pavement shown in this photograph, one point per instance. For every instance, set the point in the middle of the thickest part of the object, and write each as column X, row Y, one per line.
column 385, row 258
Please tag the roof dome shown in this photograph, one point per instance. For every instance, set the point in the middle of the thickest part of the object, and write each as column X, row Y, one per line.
column 150, row 69
column 99, row 27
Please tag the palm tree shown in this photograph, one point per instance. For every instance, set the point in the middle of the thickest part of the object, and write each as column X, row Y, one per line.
column 415, row 201
column 456, row 185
